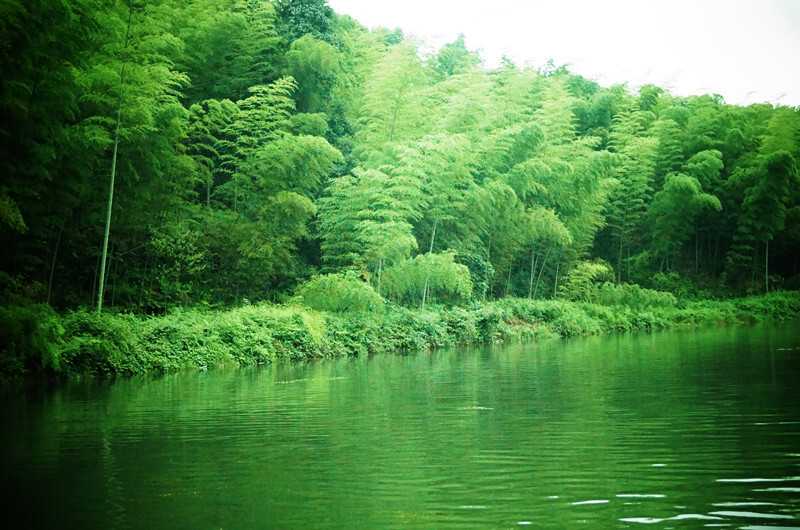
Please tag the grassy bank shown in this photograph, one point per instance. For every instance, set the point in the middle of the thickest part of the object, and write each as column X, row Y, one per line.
column 37, row 341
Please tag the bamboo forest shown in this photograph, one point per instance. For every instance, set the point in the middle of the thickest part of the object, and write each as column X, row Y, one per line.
column 206, row 182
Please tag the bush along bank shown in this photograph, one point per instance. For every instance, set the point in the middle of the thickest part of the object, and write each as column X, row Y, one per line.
column 38, row 341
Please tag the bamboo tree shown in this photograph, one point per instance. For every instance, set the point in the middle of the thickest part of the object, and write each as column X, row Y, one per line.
column 764, row 209
column 392, row 109
column 674, row 209
column 365, row 220
column 635, row 155
column 113, row 164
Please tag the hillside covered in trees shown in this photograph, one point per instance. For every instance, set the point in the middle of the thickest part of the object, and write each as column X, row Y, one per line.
column 260, row 149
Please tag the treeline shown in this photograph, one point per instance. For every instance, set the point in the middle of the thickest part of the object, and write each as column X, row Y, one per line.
column 263, row 149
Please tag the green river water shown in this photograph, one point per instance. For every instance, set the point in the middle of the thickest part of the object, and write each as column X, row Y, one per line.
column 686, row 429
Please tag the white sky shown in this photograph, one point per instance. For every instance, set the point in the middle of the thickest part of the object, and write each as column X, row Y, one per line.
column 748, row 51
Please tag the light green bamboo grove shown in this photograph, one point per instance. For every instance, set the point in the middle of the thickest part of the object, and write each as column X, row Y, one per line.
column 263, row 144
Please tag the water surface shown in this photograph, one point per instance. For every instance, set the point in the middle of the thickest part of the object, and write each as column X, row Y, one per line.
column 671, row 430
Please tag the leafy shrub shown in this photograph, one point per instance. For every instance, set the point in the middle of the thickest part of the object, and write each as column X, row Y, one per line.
column 339, row 292
column 532, row 310
column 573, row 321
column 583, row 280
column 616, row 319
column 778, row 304
column 356, row 334
column 490, row 324
column 297, row 334
column 593, row 281
column 262, row 333
column 184, row 339
column 30, row 339
column 414, row 330
column 481, row 273
column 446, row 281
column 633, row 296
column 461, row 325
column 100, row 343
column 680, row 286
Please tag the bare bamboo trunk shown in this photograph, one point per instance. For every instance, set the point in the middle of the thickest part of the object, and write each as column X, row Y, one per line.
column 430, row 251
column 766, row 267
column 53, row 263
column 113, row 171
column 555, row 284
column 541, row 270
column 530, row 282
column 508, row 280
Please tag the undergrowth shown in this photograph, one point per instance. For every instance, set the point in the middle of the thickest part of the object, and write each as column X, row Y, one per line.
column 35, row 340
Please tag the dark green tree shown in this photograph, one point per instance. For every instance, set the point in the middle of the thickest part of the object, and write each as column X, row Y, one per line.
column 765, row 207
column 304, row 17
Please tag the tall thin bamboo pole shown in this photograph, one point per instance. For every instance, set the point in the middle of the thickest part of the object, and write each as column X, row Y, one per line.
column 113, row 170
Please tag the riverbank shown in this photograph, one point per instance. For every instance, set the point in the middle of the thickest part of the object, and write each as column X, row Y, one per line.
column 37, row 341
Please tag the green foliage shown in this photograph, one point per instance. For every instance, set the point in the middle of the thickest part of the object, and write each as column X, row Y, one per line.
column 461, row 325
column 365, row 220
column 481, row 273
column 764, row 205
column 781, row 305
column 314, row 65
column 445, row 280
column 99, row 343
column 297, row 18
column 706, row 166
column 633, row 297
column 594, row 282
column 261, row 142
column 454, row 58
column 440, row 167
column 38, row 341
column 229, row 47
column 30, row 340
column 10, row 215
column 680, row 286
column 636, row 162
column 670, row 147
column 122, row 344
column 584, row 279
column 340, row 293
column 674, row 209
column 392, row 107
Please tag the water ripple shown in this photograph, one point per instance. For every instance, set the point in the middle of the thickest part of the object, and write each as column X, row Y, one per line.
column 754, row 515
column 784, row 479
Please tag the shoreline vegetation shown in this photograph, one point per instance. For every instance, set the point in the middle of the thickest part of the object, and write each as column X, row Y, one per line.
column 196, row 184
column 42, row 343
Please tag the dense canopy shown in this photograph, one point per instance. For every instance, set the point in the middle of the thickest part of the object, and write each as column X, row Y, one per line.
column 259, row 144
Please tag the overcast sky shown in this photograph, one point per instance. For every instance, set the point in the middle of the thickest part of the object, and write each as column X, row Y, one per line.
column 748, row 51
